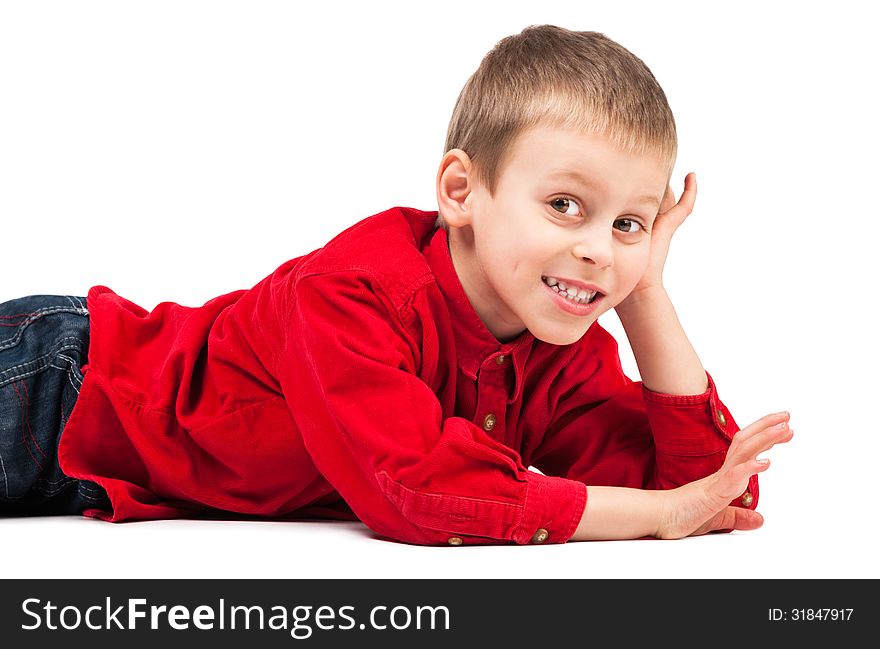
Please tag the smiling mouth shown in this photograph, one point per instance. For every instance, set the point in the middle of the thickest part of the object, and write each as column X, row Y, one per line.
column 578, row 296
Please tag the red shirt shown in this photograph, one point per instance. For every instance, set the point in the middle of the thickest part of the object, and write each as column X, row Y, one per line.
column 358, row 380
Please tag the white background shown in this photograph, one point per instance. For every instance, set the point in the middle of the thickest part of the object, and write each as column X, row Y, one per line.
column 180, row 150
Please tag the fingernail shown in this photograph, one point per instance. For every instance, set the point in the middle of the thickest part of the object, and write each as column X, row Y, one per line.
column 779, row 426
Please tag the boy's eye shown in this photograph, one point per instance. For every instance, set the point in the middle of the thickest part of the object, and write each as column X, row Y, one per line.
column 565, row 204
column 628, row 225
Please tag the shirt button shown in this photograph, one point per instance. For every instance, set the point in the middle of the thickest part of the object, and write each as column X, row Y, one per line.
column 489, row 422
column 454, row 540
column 501, row 360
column 540, row 536
column 747, row 499
column 721, row 418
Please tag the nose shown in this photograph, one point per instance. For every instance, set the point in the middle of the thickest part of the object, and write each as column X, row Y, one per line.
column 595, row 248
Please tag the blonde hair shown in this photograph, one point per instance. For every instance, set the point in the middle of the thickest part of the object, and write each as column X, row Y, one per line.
column 548, row 75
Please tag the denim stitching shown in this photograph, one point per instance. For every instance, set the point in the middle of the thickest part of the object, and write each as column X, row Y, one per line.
column 71, row 375
column 5, row 479
column 72, row 384
column 78, row 304
column 36, row 315
column 63, row 483
column 40, row 360
column 27, row 418
column 46, row 310
column 61, row 480
column 52, row 491
column 82, row 488
column 100, row 492
column 72, row 372
column 23, row 419
column 62, row 348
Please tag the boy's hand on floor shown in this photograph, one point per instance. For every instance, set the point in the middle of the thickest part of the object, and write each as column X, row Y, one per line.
column 703, row 505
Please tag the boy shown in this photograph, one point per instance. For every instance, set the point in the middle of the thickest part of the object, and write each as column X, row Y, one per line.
column 410, row 372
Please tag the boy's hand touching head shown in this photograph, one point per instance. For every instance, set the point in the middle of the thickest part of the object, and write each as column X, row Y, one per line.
column 670, row 216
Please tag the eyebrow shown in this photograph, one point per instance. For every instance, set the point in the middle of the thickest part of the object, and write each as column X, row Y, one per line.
column 583, row 180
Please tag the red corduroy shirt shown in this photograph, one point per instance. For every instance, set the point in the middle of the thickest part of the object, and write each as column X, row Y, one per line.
column 358, row 381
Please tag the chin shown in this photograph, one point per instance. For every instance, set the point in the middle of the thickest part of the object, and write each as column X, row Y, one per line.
column 559, row 337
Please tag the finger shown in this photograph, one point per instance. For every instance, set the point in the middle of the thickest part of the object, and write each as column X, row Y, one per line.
column 755, row 446
column 748, row 446
column 685, row 204
column 689, row 195
column 735, row 518
column 763, row 441
column 758, row 426
column 730, row 518
column 746, row 519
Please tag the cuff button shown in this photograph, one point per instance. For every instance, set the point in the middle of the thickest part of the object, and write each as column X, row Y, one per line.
column 747, row 499
column 540, row 536
column 721, row 418
column 454, row 540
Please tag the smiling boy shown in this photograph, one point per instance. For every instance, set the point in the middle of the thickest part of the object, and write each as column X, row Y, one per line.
column 410, row 372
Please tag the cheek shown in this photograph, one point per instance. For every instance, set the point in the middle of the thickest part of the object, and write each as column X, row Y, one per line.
column 633, row 266
column 508, row 251
column 500, row 258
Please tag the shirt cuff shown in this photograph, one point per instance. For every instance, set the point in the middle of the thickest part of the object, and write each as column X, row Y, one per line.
column 696, row 425
column 689, row 424
column 552, row 511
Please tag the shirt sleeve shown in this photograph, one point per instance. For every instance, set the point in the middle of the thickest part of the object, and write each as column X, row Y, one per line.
column 377, row 432
column 616, row 432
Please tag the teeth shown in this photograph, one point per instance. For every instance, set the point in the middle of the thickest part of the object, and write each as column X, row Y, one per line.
column 581, row 296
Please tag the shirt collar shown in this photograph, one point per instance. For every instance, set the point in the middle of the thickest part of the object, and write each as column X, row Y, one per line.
column 475, row 345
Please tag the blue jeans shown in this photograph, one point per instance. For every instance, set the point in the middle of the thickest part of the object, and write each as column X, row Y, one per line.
column 44, row 341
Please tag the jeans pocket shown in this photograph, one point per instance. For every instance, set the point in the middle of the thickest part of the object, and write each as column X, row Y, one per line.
column 43, row 343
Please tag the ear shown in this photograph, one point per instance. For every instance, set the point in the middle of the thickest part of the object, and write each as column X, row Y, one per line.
column 454, row 186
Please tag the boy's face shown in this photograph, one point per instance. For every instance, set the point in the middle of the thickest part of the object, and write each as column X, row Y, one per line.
column 543, row 223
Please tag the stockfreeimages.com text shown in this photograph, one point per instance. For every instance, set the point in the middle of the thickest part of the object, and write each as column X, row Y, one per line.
column 300, row 620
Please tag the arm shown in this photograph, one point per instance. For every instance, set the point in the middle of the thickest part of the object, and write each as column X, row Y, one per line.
column 667, row 361
column 379, row 435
